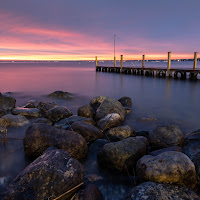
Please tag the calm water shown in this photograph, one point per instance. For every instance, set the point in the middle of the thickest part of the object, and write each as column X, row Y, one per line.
column 167, row 101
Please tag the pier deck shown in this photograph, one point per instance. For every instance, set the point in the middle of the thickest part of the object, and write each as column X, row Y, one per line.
column 159, row 72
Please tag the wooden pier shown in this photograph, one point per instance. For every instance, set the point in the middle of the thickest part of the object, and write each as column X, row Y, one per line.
column 158, row 72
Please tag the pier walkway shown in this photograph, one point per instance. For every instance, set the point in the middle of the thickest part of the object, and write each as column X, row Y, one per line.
column 159, row 72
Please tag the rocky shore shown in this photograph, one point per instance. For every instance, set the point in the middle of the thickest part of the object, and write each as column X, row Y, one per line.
column 164, row 163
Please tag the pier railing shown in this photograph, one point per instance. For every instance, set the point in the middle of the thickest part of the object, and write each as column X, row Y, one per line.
column 153, row 71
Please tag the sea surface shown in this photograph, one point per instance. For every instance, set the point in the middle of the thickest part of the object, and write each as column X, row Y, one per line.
column 156, row 101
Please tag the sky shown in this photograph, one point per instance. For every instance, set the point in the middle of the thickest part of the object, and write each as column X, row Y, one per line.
column 83, row 29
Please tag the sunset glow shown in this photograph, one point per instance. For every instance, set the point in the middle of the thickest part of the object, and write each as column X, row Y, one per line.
column 39, row 36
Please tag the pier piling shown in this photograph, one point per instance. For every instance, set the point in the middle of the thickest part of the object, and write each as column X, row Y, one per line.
column 169, row 65
column 96, row 61
column 195, row 61
column 114, row 61
column 143, row 60
column 121, row 62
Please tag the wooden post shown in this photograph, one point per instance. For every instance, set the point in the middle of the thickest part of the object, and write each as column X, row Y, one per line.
column 169, row 64
column 114, row 61
column 143, row 60
column 121, row 62
column 96, row 61
column 195, row 61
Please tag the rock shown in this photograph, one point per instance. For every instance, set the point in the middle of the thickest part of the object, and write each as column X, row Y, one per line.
column 159, row 191
column 148, row 119
column 168, row 167
column 51, row 174
column 45, row 106
column 173, row 148
column 166, row 136
column 26, row 112
column 125, row 101
column 86, row 111
column 2, row 112
column 96, row 102
column 89, row 132
column 6, row 102
column 89, row 192
column 119, row 133
column 66, row 123
column 57, row 113
column 93, row 177
column 109, row 121
column 123, row 155
column 30, row 104
column 61, row 94
column 43, row 120
column 142, row 133
column 192, row 149
column 39, row 137
column 13, row 120
column 128, row 110
column 109, row 106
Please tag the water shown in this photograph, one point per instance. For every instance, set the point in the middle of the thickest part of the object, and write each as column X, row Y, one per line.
column 165, row 101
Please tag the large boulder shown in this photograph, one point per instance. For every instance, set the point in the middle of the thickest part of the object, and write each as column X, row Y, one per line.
column 159, row 191
column 26, row 112
column 13, row 120
column 67, row 122
column 30, row 104
column 89, row 132
column 109, row 121
column 119, row 133
column 109, row 106
column 39, row 137
column 192, row 149
column 45, row 106
column 167, row 167
column 86, row 111
column 61, row 94
column 57, row 113
column 123, row 155
column 7, row 102
column 2, row 112
column 50, row 175
column 97, row 101
column 43, row 120
column 125, row 101
column 166, row 136
column 89, row 192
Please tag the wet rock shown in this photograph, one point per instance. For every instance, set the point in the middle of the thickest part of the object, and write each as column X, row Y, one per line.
column 26, row 112
column 96, row 102
column 39, row 137
column 30, row 104
column 61, row 94
column 86, row 111
column 109, row 106
column 166, row 136
column 125, row 101
column 2, row 112
column 51, row 174
column 123, row 155
column 109, row 121
column 57, row 113
column 43, row 120
column 7, row 102
column 128, row 110
column 13, row 120
column 45, row 106
column 142, row 133
column 89, row 132
column 119, row 133
column 93, row 177
column 168, row 167
column 173, row 148
column 192, row 149
column 66, row 123
column 159, row 191
column 89, row 192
